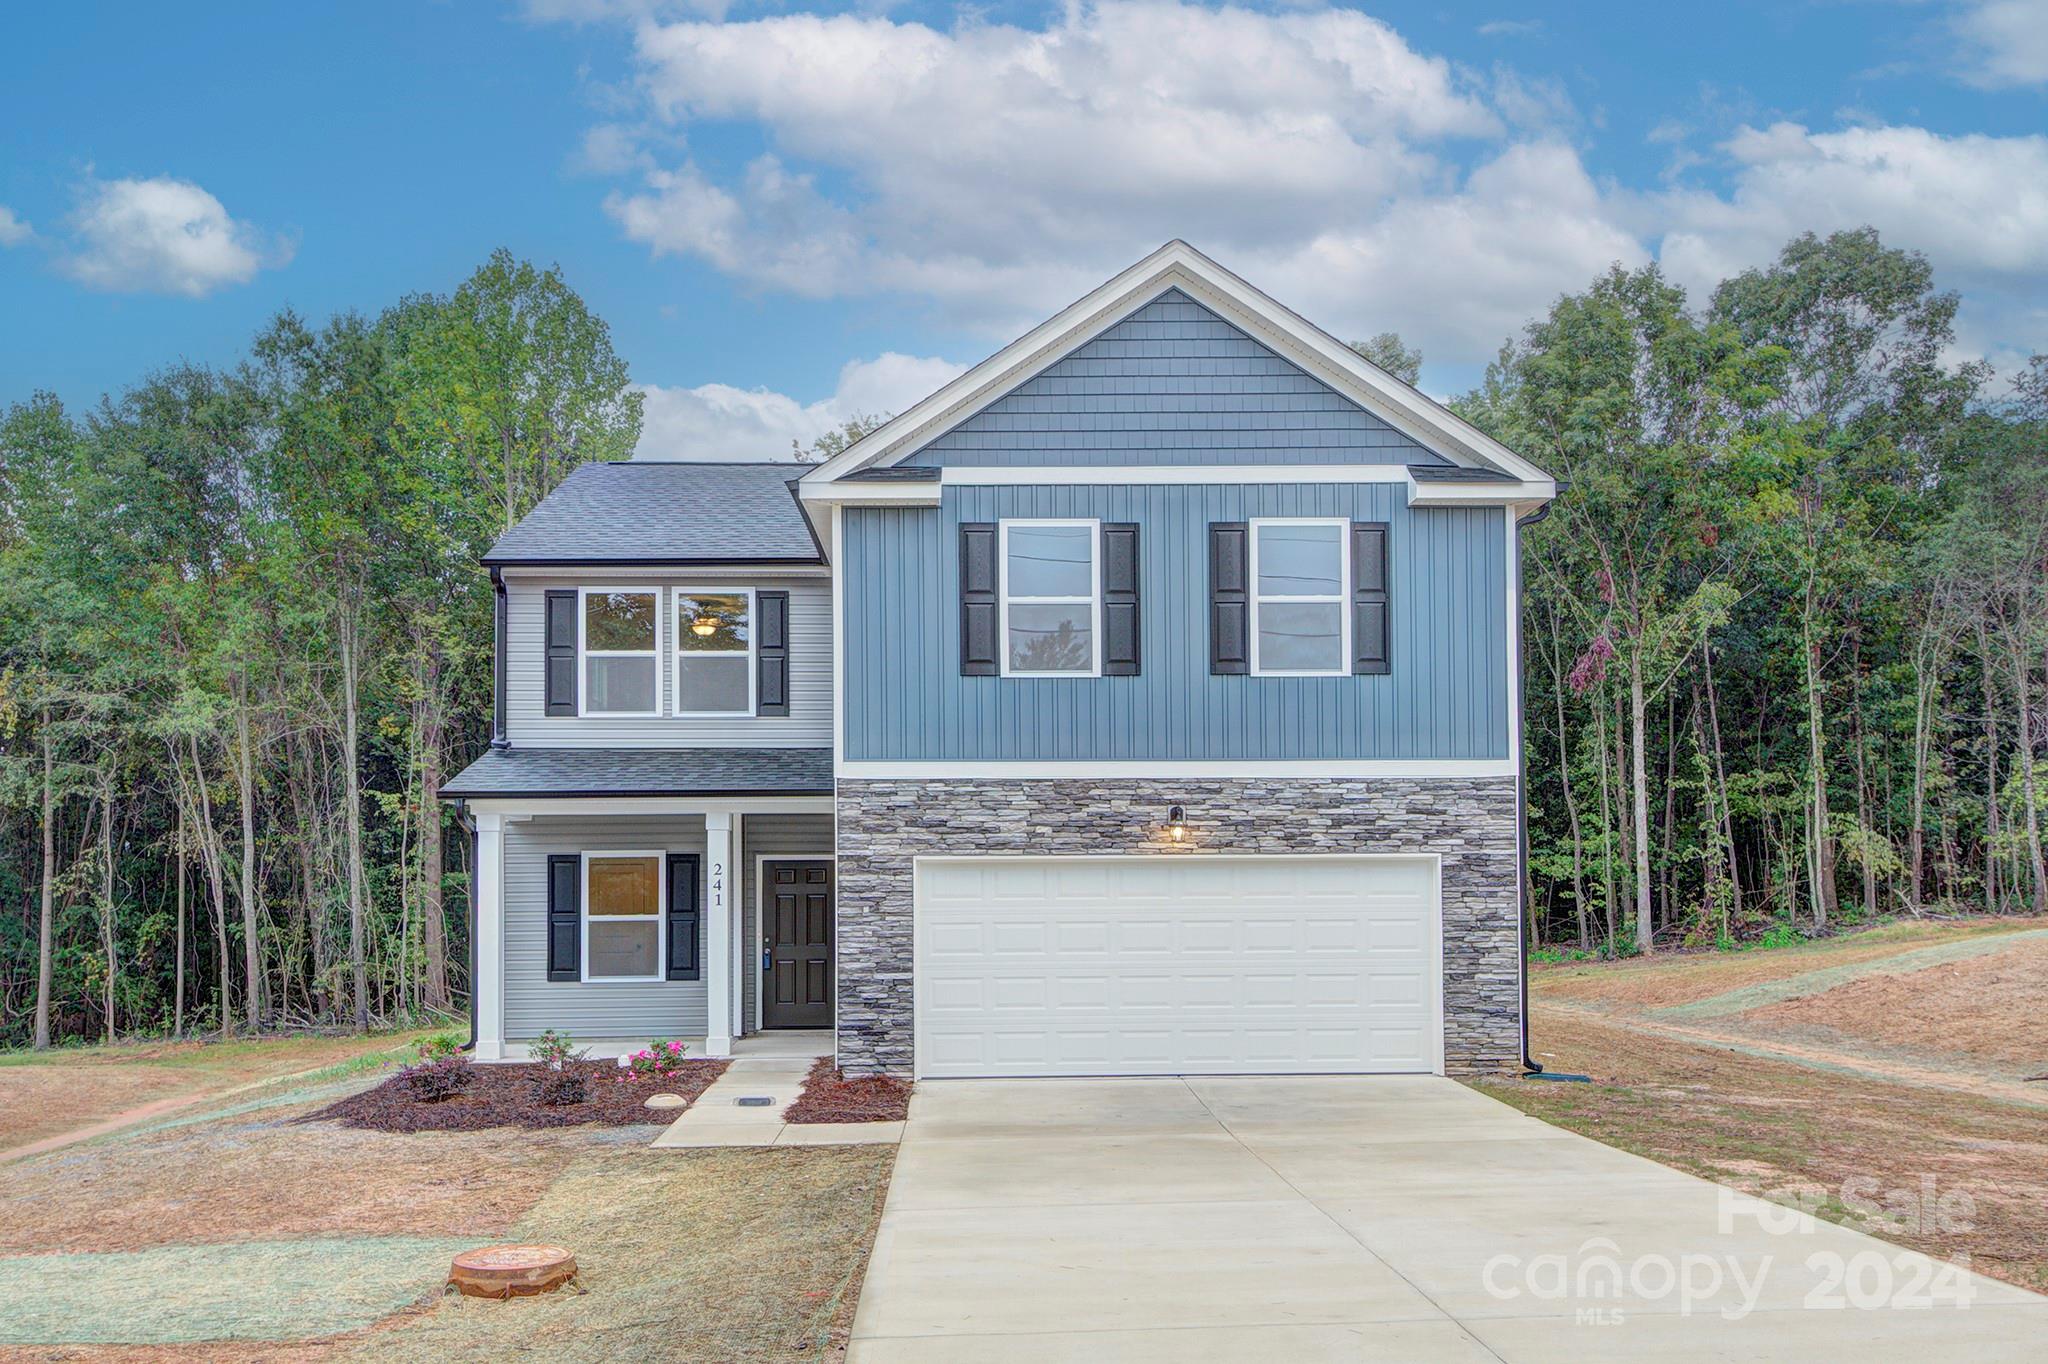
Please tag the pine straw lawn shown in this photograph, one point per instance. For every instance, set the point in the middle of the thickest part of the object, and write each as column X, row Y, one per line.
column 830, row 1096
column 504, row 1096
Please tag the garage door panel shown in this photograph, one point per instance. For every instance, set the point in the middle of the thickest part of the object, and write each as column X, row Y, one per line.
column 1139, row 965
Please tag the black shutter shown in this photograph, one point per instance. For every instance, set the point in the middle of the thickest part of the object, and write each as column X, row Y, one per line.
column 684, row 916
column 560, row 629
column 978, row 588
column 1119, row 599
column 1369, row 639
column 1229, row 597
column 771, row 635
column 565, row 916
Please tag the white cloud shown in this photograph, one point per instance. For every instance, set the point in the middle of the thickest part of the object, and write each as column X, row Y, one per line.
column 720, row 422
column 1977, row 205
column 2004, row 42
column 1510, row 28
column 997, row 171
column 162, row 236
column 13, row 230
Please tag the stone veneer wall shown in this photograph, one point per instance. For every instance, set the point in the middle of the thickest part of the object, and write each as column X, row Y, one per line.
column 883, row 825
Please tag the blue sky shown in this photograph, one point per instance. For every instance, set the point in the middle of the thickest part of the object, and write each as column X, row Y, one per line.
column 789, row 215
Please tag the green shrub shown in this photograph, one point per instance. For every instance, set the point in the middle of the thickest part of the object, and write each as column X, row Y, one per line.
column 553, row 1049
column 440, row 1046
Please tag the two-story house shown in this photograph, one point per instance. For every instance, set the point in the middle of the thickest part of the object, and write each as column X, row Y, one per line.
column 1145, row 701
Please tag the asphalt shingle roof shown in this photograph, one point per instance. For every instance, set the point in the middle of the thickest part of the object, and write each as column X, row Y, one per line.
column 645, row 772
column 665, row 512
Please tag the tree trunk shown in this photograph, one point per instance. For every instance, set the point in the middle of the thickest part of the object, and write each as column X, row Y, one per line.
column 107, row 929
column 1994, row 900
column 178, row 997
column 1667, row 877
column 1721, row 779
column 1821, row 858
column 301, row 780
column 2024, row 695
column 45, row 961
column 1639, row 785
column 1606, row 826
column 1926, row 681
column 1564, row 776
column 216, row 884
column 245, row 782
column 1865, row 824
column 345, row 642
column 432, row 912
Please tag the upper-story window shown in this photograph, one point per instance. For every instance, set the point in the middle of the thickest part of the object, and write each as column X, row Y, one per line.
column 1300, row 584
column 620, row 669
column 1052, row 598
column 714, row 652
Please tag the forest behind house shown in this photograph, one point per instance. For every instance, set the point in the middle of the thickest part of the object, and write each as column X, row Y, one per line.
column 1785, row 637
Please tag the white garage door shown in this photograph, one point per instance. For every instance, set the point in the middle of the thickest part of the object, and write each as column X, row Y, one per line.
column 1176, row 965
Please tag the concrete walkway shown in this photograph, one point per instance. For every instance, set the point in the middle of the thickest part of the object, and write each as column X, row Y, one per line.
column 1386, row 1218
column 768, row 1066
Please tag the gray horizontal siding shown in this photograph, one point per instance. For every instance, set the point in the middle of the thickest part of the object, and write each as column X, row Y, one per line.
column 1172, row 384
column 1446, row 697
column 808, row 724
column 771, row 836
column 533, row 1003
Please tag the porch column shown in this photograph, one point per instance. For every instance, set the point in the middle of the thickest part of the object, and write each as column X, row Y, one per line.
column 487, row 991
column 718, row 934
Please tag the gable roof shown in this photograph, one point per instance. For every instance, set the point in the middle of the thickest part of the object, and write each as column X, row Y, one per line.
column 1177, row 265
column 665, row 512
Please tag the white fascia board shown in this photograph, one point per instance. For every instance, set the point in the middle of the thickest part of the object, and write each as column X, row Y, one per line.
column 526, row 807
column 1427, row 494
column 637, row 573
column 983, row 770
column 1178, row 265
column 891, row 494
column 1125, row 475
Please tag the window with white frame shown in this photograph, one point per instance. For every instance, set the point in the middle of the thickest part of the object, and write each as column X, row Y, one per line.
column 621, row 672
column 714, row 651
column 1052, row 598
column 1301, row 577
column 623, row 926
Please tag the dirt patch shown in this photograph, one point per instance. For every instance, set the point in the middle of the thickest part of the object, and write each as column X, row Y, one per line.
column 514, row 1095
column 1670, row 979
column 1987, row 1008
column 46, row 1095
column 743, row 1256
column 235, row 1180
column 1772, row 1127
column 830, row 1096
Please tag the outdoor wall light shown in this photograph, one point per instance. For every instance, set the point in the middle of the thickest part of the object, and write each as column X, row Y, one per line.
column 1176, row 823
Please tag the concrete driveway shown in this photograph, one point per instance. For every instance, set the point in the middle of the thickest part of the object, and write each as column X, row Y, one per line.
column 1386, row 1218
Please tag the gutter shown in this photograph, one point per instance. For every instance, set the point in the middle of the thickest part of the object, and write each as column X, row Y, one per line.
column 1523, row 898
column 499, row 618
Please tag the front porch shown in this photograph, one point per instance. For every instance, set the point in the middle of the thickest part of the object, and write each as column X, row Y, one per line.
column 621, row 919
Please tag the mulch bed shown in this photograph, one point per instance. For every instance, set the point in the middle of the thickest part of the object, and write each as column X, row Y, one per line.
column 832, row 1097
column 502, row 1095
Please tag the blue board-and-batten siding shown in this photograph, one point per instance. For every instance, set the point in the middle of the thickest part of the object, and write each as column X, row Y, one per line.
column 1173, row 383
column 905, row 699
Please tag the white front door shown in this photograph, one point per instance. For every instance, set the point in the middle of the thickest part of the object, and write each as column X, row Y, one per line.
column 1177, row 965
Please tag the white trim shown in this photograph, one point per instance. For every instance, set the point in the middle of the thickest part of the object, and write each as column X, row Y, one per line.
column 719, row 980
column 1433, row 951
column 584, row 916
column 1119, row 475
column 584, row 653
column 529, row 573
column 524, row 807
column 831, row 859
column 891, row 494
column 1424, row 493
column 838, row 645
column 1178, row 265
column 982, row 769
column 487, row 991
column 1004, row 599
column 675, row 595
column 1342, row 599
